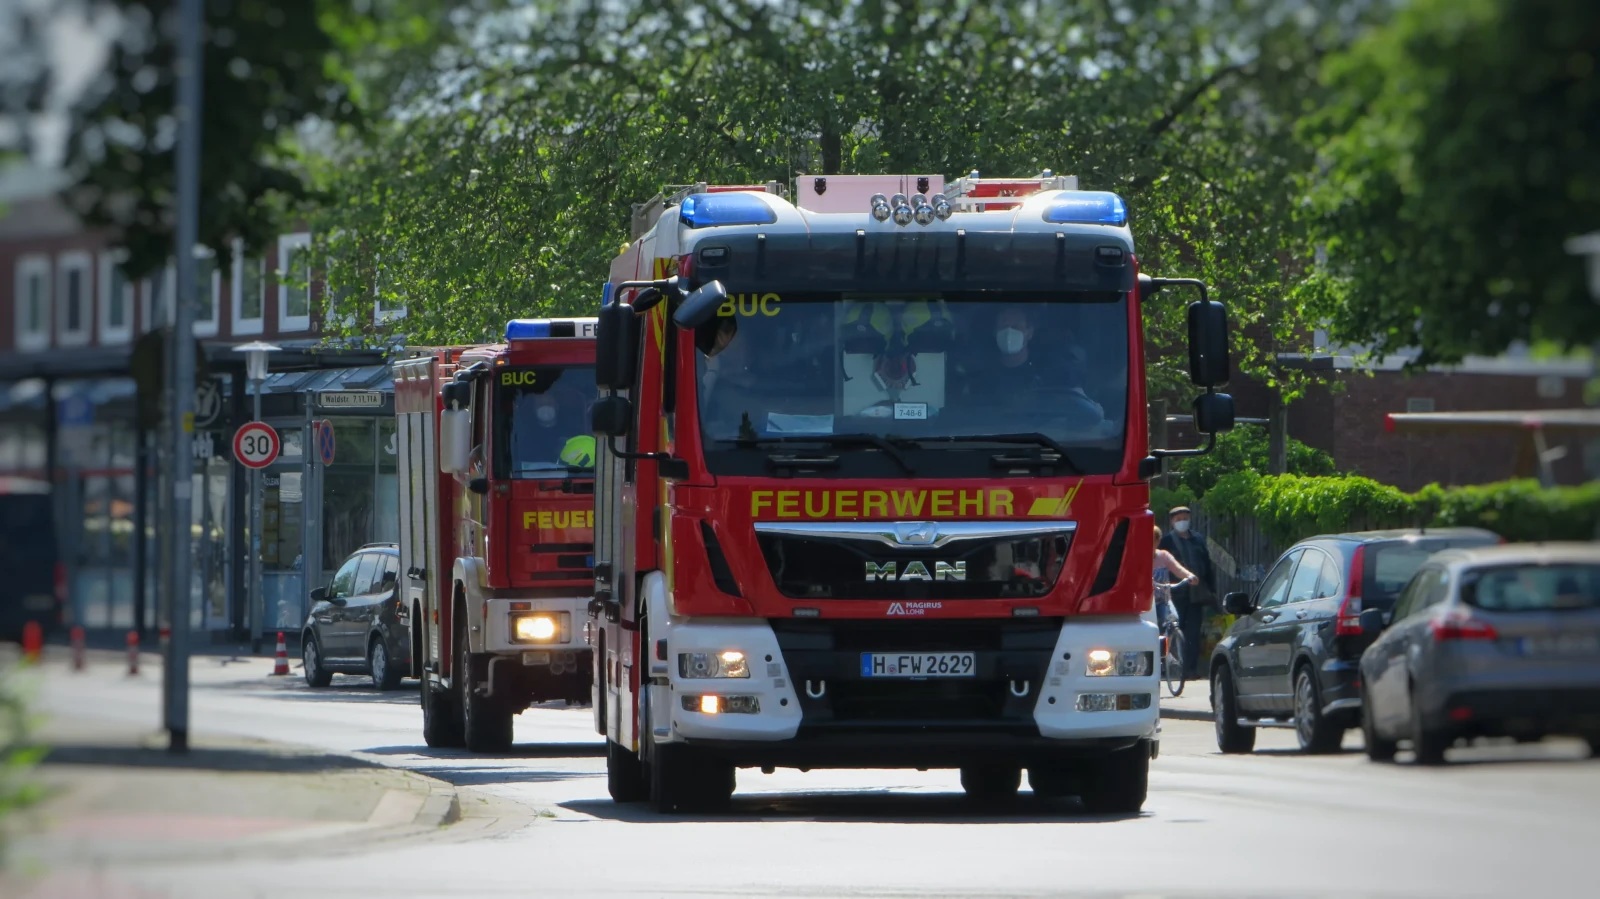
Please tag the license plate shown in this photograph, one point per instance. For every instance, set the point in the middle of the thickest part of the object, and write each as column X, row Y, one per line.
column 1560, row 645
column 536, row 657
column 918, row 664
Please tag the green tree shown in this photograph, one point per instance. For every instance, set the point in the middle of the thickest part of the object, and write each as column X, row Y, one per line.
column 1460, row 150
column 1245, row 449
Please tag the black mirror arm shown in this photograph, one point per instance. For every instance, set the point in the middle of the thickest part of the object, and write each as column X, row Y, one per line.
column 671, row 468
column 1155, row 285
column 1211, row 444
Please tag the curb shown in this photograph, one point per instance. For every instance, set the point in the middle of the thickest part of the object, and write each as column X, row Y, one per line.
column 1186, row 714
column 441, row 809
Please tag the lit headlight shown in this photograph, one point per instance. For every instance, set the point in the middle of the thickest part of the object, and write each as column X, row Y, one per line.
column 1129, row 663
column 722, row 705
column 728, row 663
column 540, row 627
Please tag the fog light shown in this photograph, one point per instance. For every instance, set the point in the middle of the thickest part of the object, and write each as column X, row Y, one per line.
column 722, row 705
column 1128, row 663
column 536, row 628
column 1113, row 702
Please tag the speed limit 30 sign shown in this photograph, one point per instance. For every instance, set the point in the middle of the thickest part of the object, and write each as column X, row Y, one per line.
column 255, row 445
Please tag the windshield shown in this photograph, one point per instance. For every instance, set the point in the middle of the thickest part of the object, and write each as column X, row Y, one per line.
column 542, row 421
column 1390, row 565
column 1535, row 588
column 920, row 373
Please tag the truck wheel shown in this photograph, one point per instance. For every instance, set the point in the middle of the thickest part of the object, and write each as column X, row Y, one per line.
column 1231, row 737
column 486, row 725
column 441, row 726
column 1116, row 784
column 991, row 783
column 385, row 674
column 685, row 780
column 1053, row 782
column 625, row 779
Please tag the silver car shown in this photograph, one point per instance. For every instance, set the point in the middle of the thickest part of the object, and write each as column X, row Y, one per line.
column 1499, row 641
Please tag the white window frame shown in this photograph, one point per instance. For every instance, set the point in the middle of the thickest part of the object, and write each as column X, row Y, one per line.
column 381, row 315
column 209, row 328
column 242, row 325
column 287, row 244
column 158, row 309
column 33, row 266
column 81, row 262
column 109, row 333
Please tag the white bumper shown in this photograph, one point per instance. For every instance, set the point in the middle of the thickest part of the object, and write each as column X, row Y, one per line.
column 573, row 611
column 1056, row 712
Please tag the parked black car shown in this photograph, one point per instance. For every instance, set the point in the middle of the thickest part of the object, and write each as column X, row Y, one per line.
column 1292, row 659
column 359, row 623
column 35, row 584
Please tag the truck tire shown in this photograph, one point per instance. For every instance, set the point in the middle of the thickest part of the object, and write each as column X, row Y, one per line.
column 1053, row 782
column 682, row 779
column 1116, row 784
column 441, row 725
column 625, row 777
column 991, row 783
column 486, row 725
column 1231, row 738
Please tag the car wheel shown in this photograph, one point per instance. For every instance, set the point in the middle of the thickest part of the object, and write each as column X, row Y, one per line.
column 991, row 783
column 311, row 661
column 1118, row 783
column 1378, row 749
column 1231, row 737
column 1594, row 746
column 385, row 676
column 1427, row 743
column 1316, row 733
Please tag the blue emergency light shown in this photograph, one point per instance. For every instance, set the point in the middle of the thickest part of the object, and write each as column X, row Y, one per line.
column 1087, row 207
column 527, row 328
column 712, row 210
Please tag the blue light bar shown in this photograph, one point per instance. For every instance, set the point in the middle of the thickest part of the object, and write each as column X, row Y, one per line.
column 1087, row 207
column 527, row 328
column 711, row 210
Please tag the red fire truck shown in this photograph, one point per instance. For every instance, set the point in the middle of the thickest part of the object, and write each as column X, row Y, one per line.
column 872, row 487
column 497, row 525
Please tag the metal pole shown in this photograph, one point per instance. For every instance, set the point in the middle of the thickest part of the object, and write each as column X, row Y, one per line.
column 182, row 421
column 257, row 595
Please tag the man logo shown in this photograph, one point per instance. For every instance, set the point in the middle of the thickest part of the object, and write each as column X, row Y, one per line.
column 917, row 571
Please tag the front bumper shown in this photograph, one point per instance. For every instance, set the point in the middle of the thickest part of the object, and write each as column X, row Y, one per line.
column 816, row 709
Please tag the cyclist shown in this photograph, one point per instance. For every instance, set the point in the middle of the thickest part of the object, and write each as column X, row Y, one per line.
column 1166, row 566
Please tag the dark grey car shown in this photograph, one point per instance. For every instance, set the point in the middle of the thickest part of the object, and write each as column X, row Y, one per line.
column 359, row 624
column 1502, row 641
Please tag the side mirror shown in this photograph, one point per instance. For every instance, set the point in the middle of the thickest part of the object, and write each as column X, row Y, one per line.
column 1372, row 621
column 611, row 417
column 479, row 486
column 616, row 347
column 319, row 594
column 1213, row 413
column 455, row 440
column 700, row 306
column 1237, row 604
column 1209, row 363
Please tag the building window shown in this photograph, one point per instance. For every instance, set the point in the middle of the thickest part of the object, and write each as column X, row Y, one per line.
column 387, row 305
column 1419, row 404
column 158, row 298
column 294, row 282
column 207, row 292
column 33, row 303
column 249, row 290
column 116, row 299
column 72, row 286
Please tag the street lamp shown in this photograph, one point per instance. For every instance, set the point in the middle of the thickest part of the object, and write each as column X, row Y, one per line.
column 255, row 365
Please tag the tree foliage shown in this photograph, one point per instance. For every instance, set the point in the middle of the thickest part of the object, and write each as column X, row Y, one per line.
column 508, row 190
column 1246, row 449
column 1460, row 150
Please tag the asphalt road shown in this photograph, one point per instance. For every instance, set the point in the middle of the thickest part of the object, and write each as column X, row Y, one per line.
column 1500, row 819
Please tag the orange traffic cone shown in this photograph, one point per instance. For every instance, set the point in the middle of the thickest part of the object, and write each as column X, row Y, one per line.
column 77, row 648
column 32, row 641
column 133, row 653
column 282, row 665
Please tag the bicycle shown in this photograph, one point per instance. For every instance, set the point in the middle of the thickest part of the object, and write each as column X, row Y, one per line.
column 1171, row 640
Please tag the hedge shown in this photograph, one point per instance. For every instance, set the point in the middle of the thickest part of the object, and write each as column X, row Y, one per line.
column 1291, row 507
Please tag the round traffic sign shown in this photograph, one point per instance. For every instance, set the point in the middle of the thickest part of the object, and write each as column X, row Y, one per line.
column 255, row 445
column 325, row 442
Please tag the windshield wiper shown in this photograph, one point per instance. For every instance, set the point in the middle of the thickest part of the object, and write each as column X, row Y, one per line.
column 873, row 440
column 1035, row 438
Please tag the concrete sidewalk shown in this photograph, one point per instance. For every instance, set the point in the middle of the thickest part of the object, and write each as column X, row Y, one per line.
column 1193, row 705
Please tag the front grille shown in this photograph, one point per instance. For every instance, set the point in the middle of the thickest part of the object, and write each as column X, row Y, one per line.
column 843, row 567
column 1012, row 658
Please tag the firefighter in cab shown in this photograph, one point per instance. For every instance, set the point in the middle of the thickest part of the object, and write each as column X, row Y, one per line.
column 554, row 436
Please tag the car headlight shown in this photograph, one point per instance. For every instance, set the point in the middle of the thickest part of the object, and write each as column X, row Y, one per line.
column 1128, row 663
column 539, row 627
column 697, row 665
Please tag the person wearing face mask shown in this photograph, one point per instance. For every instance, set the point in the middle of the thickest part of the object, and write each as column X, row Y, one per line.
column 557, row 431
column 1192, row 599
column 1022, row 373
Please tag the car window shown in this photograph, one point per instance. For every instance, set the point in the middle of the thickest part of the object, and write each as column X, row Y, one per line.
column 1389, row 566
column 1275, row 589
column 1304, row 584
column 1427, row 588
column 344, row 580
column 1534, row 588
column 367, row 574
column 1331, row 583
column 390, row 572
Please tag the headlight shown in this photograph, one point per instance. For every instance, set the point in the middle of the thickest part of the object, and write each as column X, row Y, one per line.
column 1129, row 663
column 728, row 663
column 540, row 627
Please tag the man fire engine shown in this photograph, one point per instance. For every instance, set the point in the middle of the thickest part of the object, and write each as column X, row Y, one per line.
column 497, row 525
column 872, row 488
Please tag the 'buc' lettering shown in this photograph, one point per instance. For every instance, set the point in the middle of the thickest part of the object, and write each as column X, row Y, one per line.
column 749, row 304
column 519, row 378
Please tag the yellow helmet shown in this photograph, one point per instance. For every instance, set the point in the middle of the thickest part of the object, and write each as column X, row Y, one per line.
column 579, row 452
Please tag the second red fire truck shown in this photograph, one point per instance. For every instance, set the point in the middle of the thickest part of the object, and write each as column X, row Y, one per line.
column 496, row 468
column 872, row 487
